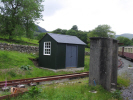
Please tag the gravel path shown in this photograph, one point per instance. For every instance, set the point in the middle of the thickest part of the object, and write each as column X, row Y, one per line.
column 127, row 93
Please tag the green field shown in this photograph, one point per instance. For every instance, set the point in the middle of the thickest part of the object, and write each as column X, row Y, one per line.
column 11, row 61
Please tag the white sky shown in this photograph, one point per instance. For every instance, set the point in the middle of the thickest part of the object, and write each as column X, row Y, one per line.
column 88, row 14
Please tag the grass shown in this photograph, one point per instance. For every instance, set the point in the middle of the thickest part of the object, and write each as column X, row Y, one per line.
column 123, row 80
column 11, row 62
column 29, row 40
column 21, row 41
column 86, row 63
column 87, row 49
column 74, row 90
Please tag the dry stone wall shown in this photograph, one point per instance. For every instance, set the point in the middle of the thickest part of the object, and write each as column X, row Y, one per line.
column 20, row 48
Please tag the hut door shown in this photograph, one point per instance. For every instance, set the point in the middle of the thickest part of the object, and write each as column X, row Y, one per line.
column 71, row 55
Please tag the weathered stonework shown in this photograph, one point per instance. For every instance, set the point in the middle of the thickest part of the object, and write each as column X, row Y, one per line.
column 103, row 62
column 20, row 48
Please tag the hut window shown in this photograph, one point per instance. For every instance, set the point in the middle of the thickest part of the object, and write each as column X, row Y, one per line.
column 47, row 48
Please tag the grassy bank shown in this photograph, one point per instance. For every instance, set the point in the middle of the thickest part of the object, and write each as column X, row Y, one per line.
column 22, row 41
column 11, row 62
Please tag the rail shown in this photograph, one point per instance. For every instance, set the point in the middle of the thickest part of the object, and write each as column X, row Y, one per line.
column 41, row 79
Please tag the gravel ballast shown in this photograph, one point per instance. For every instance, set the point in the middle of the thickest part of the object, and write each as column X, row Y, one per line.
column 125, row 69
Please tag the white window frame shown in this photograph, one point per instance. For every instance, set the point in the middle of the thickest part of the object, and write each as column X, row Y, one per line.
column 47, row 48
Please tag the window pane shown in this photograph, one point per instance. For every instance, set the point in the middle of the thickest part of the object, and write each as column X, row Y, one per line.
column 47, row 48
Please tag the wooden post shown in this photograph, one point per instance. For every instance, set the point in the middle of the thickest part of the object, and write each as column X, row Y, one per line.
column 103, row 62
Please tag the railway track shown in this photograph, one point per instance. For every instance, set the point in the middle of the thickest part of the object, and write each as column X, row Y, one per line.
column 120, row 63
column 41, row 79
column 38, row 79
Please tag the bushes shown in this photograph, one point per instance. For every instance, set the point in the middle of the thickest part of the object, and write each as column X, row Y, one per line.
column 40, row 36
column 34, row 91
column 25, row 67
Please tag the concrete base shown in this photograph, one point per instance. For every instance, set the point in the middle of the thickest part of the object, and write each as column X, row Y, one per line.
column 67, row 69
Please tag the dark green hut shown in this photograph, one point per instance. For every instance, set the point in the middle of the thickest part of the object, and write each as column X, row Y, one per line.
column 58, row 51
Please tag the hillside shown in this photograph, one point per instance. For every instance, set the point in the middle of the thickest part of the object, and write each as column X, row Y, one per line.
column 40, row 29
column 128, row 35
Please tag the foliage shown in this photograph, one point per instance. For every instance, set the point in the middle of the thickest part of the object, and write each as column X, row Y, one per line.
column 101, row 31
column 74, row 32
column 40, row 29
column 126, row 41
column 71, row 32
column 87, row 49
column 12, row 73
column 74, row 27
column 17, row 17
column 40, row 36
column 123, row 81
column 58, row 31
column 87, row 61
column 117, row 94
column 34, row 91
column 17, row 40
column 25, row 67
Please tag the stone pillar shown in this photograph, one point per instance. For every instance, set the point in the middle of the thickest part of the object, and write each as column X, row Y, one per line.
column 103, row 62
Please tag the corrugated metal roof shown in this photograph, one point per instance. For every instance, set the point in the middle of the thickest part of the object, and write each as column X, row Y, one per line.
column 66, row 39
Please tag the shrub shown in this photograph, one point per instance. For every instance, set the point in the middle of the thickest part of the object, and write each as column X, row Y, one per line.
column 40, row 36
column 116, row 94
column 34, row 91
column 25, row 67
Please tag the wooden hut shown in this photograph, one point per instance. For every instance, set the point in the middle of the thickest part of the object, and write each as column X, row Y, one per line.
column 58, row 51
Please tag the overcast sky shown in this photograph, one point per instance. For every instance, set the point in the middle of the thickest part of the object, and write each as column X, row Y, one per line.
column 88, row 14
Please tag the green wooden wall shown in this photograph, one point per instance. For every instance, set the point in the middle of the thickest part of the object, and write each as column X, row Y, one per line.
column 81, row 55
column 47, row 61
column 61, row 56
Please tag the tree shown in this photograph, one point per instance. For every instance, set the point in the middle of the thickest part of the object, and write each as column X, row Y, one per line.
column 80, row 34
column 71, row 32
column 18, row 17
column 40, row 36
column 58, row 31
column 126, row 41
column 74, row 27
column 101, row 31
